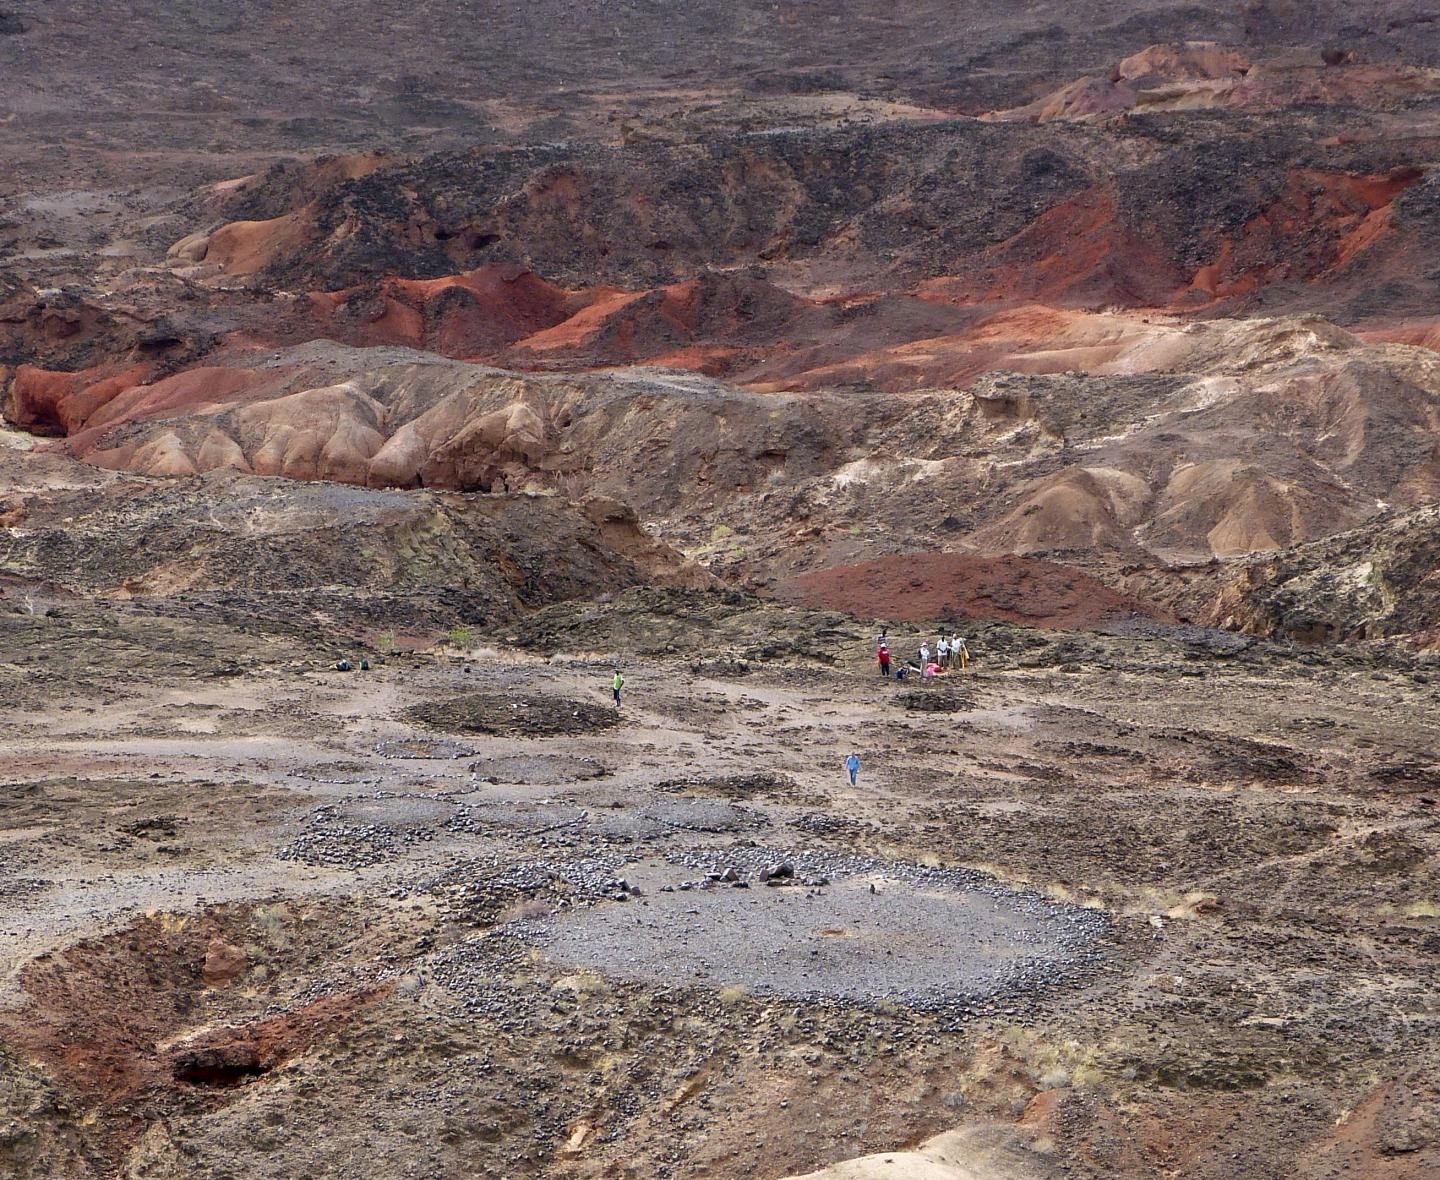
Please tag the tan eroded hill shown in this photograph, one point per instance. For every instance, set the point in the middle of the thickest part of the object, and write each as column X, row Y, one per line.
column 1185, row 441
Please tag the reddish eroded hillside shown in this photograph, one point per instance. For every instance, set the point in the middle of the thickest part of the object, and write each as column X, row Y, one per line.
column 506, row 313
column 1092, row 252
column 476, row 314
column 49, row 402
column 1091, row 245
column 744, row 257
column 1176, row 184
column 795, row 258
column 914, row 587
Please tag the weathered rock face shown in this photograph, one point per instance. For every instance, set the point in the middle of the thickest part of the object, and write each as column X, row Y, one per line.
column 224, row 963
column 406, row 558
column 1382, row 581
column 1230, row 174
column 984, row 1151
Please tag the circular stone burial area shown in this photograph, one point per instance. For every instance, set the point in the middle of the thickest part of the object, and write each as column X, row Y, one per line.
column 513, row 715
column 926, row 938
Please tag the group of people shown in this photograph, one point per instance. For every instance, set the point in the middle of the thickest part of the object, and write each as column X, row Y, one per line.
column 950, row 652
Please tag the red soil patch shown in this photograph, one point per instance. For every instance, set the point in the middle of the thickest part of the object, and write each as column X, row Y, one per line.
column 1081, row 253
column 911, row 587
column 1419, row 333
column 712, row 360
column 107, row 1018
column 585, row 326
column 228, row 1056
column 711, row 313
column 102, row 1013
column 187, row 391
column 247, row 247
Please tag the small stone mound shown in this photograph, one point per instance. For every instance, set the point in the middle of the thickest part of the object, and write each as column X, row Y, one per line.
column 721, row 669
column 358, row 833
column 936, row 700
column 482, row 817
column 514, row 716
column 820, row 823
column 833, row 928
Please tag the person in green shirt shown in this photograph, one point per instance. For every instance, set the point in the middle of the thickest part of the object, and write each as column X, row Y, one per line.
column 616, row 685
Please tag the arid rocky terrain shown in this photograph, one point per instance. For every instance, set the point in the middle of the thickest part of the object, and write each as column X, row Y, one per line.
column 377, row 381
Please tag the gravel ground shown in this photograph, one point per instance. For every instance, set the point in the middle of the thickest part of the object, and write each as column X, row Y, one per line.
column 892, row 933
column 1161, row 901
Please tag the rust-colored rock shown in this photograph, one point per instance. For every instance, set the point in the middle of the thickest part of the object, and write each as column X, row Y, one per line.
column 224, row 963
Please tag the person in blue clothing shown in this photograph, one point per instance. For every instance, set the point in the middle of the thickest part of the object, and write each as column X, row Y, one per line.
column 852, row 764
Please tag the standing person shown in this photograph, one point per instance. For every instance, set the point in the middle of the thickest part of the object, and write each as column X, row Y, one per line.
column 852, row 764
column 942, row 650
column 883, row 655
column 616, row 685
column 924, row 655
column 962, row 653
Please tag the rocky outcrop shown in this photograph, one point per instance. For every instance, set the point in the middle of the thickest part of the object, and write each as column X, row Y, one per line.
column 1382, row 581
column 1205, row 75
column 983, row 1151
column 1172, row 211
column 423, row 553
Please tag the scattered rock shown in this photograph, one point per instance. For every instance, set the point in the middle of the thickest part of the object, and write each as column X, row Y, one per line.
column 224, row 963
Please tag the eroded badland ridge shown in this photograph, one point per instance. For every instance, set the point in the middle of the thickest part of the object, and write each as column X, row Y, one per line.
column 377, row 381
